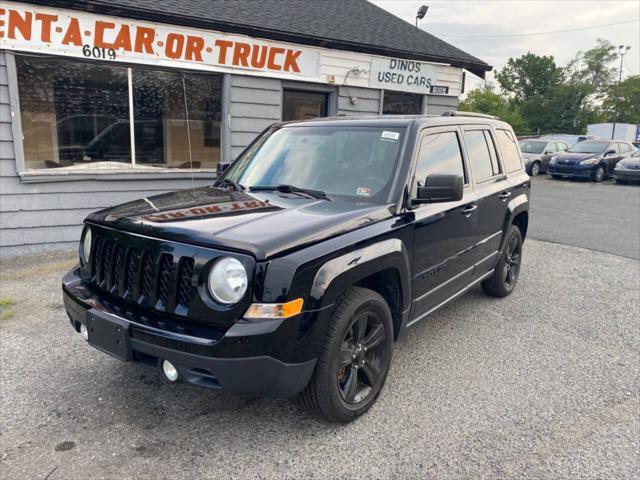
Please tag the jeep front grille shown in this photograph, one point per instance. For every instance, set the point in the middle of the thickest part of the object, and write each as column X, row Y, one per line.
column 163, row 281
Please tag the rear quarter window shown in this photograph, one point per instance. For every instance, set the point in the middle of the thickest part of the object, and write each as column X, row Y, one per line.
column 509, row 150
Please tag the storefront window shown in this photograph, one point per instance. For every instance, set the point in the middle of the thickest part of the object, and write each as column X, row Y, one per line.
column 396, row 103
column 299, row 105
column 75, row 116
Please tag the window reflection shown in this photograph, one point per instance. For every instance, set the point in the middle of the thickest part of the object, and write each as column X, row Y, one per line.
column 75, row 115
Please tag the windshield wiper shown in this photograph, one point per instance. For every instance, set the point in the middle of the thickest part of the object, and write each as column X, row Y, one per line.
column 285, row 188
column 226, row 182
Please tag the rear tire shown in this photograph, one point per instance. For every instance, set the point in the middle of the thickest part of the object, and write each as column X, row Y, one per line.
column 505, row 276
column 355, row 358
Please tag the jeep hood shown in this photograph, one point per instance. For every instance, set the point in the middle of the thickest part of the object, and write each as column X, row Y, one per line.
column 264, row 224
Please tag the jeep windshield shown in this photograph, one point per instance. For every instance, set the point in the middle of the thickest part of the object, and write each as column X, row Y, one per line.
column 353, row 162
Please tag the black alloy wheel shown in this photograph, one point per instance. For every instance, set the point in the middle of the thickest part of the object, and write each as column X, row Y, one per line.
column 505, row 275
column 512, row 262
column 353, row 364
column 360, row 358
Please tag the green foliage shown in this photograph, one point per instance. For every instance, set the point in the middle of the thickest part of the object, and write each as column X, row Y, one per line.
column 7, row 302
column 485, row 100
column 529, row 75
column 628, row 101
column 594, row 67
column 537, row 96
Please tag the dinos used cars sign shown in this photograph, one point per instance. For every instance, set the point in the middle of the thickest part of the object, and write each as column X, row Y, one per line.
column 407, row 76
column 38, row 29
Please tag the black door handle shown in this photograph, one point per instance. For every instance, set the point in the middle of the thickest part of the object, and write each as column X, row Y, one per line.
column 469, row 210
column 505, row 195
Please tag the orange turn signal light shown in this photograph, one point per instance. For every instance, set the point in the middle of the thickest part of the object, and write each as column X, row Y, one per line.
column 274, row 310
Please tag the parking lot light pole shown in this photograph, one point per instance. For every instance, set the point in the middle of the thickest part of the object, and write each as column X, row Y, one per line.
column 622, row 50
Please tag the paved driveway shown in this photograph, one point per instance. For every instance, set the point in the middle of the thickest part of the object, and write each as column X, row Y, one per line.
column 543, row 384
column 599, row 216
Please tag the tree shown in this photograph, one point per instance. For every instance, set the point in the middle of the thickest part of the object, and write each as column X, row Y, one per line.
column 529, row 75
column 564, row 108
column 593, row 68
column 485, row 100
column 628, row 101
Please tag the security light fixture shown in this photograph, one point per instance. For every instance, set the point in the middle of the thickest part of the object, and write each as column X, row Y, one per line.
column 422, row 11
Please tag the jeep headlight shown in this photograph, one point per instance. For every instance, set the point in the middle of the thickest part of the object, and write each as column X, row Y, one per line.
column 591, row 161
column 227, row 281
column 85, row 245
column 553, row 159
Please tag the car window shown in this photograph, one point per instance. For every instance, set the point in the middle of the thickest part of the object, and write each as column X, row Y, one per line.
column 479, row 155
column 551, row 148
column 562, row 146
column 614, row 146
column 495, row 164
column 508, row 151
column 624, row 148
column 439, row 153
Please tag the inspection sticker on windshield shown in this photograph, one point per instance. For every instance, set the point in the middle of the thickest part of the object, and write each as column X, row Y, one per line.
column 390, row 135
column 363, row 191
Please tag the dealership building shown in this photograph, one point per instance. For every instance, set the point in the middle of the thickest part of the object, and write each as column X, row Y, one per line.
column 105, row 101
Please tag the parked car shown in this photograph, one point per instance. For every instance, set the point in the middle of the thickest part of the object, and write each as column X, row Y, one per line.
column 592, row 159
column 260, row 285
column 537, row 154
column 628, row 170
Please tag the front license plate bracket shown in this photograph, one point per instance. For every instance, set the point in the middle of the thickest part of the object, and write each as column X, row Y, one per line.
column 109, row 334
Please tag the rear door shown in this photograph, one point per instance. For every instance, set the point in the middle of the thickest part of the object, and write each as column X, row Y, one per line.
column 444, row 233
column 489, row 182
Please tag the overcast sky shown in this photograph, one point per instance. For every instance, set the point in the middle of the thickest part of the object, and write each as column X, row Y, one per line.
column 467, row 24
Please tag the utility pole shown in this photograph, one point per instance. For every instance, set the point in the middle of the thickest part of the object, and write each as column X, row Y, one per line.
column 622, row 50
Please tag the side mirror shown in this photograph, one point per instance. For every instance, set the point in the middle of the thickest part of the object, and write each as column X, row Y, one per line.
column 440, row 187
column 609, row 152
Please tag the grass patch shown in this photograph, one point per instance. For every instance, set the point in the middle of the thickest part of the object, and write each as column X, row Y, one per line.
column 5, row 308
column 7, row 302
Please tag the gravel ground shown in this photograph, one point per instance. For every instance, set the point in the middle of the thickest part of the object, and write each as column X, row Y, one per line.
column 543, row 384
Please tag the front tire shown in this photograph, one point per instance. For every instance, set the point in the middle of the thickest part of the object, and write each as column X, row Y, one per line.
column 535, row 169
column 505, row 276
column 355, row 358
column 598, row 175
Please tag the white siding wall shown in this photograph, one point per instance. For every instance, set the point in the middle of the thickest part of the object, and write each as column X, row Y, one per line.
column 44, row 216
column 367, row 103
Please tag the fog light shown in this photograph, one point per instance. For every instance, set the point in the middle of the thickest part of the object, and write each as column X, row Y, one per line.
column 169, row 371
column 84, row 332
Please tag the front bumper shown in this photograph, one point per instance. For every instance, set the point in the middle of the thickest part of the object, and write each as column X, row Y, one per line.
column 628, row 174
column 574, row 171
column 216, row 362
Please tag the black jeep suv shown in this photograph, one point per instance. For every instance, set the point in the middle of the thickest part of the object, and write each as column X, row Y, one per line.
column 315, row 250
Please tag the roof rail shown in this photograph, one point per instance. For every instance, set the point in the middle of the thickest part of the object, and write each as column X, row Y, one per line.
column 457, row 113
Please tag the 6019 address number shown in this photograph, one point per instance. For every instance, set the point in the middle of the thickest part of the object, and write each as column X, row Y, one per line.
column 97, row 52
